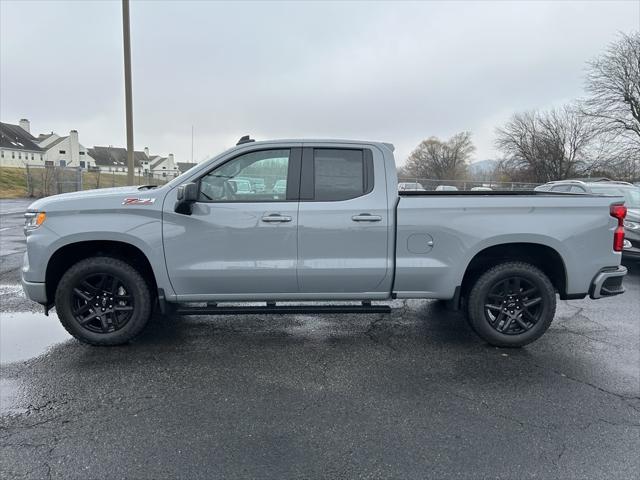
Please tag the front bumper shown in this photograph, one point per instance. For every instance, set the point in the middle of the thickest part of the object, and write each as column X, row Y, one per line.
column 35, row 291
column 608, row 282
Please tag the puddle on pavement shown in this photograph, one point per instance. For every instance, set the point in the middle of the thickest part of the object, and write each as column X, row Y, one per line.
column 25, row 335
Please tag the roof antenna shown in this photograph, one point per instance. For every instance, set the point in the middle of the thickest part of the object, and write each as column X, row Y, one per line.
column 245, row 139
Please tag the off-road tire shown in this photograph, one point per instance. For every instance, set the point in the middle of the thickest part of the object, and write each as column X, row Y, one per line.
column 137, row 287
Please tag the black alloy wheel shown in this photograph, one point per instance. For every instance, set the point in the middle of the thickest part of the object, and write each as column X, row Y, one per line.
column 513, row 305
column 102, row 303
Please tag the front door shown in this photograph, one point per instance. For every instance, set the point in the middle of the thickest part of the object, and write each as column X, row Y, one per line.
column 241, row 237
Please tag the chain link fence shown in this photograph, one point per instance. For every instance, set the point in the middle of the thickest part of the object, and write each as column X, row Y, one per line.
column 410, row 183
column 42, row 181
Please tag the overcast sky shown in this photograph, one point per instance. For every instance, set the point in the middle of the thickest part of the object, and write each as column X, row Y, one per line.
column 395, row 72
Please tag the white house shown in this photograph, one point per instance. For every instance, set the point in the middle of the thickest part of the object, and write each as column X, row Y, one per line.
column 164, row 166
column 17, row 146
column 114, row 160
column 66, row 151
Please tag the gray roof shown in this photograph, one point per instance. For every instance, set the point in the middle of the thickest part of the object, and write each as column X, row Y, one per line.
column 43, row 136
column 184, row 166
column 157, row 161
column 115, row 156
column 55, row 142
column 15, row 138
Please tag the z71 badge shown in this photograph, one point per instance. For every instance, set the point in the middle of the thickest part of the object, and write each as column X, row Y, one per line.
column 138, row 201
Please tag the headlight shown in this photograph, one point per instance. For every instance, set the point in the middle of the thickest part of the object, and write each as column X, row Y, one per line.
column 33, row 220
column 631, row 225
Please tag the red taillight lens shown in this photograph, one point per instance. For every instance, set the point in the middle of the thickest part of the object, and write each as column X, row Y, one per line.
column 618, row 239
column 618, row 212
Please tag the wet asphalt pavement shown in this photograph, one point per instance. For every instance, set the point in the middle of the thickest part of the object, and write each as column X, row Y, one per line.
column 414, row 394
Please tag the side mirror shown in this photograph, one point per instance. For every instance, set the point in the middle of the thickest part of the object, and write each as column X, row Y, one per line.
column 187, row 196
column 188, row 192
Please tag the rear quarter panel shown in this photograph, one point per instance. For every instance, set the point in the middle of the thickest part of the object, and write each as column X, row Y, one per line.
column 578, row 227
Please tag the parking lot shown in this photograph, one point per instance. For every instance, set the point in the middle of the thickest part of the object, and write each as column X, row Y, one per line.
column 413, row 394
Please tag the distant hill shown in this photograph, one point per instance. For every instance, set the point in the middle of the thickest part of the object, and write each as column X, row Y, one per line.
column 483, row 167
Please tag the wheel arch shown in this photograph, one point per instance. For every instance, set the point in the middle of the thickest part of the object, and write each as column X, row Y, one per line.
column 544, row 257
column 67, row 255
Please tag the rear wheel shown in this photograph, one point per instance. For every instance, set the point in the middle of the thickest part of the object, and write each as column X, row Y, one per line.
column 512, row 304
column 103, row 301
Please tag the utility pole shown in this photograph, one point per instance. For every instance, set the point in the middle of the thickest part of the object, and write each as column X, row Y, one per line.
column 127, row 89
column 191, row 143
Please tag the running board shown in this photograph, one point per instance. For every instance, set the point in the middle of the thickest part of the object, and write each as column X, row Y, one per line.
column 282, row 309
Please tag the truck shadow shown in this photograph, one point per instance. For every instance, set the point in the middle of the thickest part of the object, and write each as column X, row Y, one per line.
column 426, row 322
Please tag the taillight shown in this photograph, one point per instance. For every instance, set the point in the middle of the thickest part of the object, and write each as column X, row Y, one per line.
column 618, row 212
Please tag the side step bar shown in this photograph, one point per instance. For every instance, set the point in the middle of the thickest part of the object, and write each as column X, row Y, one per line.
column 283, row 309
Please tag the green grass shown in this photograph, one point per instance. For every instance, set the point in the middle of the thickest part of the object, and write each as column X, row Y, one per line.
column 13, row 181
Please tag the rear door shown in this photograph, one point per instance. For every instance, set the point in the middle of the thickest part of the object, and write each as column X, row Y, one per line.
column 343, row 222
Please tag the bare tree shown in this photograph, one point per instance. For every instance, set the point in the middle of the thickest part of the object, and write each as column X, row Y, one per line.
column 551, row 145
column 613, row 85
column 446, row 160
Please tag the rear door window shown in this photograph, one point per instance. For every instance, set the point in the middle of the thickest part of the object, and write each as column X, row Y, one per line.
column 333, row 174
column 338, row 174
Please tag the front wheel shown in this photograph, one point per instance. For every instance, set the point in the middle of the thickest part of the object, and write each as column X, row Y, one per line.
column 511, row 304
column 103, row 301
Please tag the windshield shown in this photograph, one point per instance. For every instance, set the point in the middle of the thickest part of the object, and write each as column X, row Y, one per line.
column 180, row 179
column 631, row 195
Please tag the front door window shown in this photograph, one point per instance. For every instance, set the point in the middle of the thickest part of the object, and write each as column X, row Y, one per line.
column 252, row 177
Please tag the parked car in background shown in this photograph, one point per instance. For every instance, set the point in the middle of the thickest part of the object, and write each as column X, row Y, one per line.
column 482, row 189
column 241, row 185
column 446, row 188
column 410, row 187
column 257, row 184
column 280, row 187
column 631, row 194
column 631, row 246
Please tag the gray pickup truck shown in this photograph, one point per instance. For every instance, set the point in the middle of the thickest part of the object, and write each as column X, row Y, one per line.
column 329, row 227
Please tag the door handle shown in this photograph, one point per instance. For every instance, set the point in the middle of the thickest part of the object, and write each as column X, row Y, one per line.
column 276, row 218
column 366, row 217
